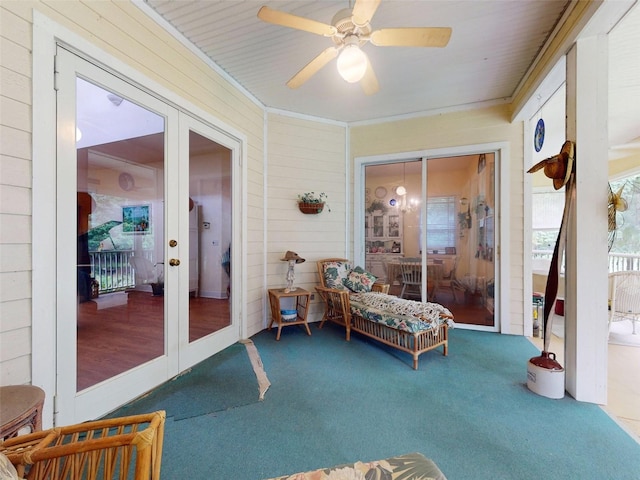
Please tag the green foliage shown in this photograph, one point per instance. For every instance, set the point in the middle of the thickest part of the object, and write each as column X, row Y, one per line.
column 312, row 197
column 100, row 233
column 377, row 205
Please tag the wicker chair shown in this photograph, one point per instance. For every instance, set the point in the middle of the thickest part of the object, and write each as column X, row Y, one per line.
column 113, row 449
column 337, row 301
column 625, row 297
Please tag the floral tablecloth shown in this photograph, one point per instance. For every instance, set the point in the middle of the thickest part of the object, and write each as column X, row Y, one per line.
column 413, row 465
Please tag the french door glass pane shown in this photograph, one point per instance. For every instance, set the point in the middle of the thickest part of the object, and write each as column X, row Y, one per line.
column 120, row 218
column 209, row 236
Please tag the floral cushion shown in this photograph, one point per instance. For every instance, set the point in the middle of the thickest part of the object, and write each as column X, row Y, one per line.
column 335, row 274
column 411, row 466
column 358, row 280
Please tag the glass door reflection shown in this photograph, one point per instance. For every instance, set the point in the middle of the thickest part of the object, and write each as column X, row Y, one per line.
column 450, row 230
column 120, row 232
column 209, row 236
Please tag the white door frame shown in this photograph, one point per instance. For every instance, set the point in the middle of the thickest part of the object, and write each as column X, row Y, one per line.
column 47, row 34
column 502, row 251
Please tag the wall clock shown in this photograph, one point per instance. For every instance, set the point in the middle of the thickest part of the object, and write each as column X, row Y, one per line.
column 126, row 182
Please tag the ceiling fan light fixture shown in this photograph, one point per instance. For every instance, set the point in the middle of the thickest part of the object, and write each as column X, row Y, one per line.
column 352, row 63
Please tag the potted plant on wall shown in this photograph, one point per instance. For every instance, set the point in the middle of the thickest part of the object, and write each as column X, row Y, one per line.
column 312, row 203
column 377, row 206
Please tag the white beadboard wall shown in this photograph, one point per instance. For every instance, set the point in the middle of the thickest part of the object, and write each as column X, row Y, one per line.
column 125, row 32
column 455, row 129
column 304, row 156
column 15, row 199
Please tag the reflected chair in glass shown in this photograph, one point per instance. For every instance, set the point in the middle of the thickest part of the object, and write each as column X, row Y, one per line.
column 624, row 288
column 448, row 282
column 411, row 270
column 146, row 273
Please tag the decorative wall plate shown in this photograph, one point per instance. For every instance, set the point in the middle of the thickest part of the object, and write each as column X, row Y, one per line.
column 126, row 182
column 538, row 136
column 381, row 192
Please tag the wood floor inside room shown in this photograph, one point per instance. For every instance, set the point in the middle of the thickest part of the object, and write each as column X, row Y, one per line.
column 471, row 311
column 113, row 338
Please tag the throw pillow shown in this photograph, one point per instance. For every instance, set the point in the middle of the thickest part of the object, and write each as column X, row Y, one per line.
column 335, row 274
column 360, row 281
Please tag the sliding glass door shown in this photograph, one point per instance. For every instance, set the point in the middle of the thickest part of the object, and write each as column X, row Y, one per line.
column 438, row 213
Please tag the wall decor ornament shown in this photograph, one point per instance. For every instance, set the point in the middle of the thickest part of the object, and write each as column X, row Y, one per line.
column 538, row 135
column 482, row 162
column 311, row 203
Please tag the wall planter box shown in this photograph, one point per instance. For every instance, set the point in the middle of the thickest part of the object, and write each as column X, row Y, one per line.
column 311, row 208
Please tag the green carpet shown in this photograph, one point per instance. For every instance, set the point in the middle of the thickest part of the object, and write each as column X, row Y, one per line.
column 333, row 402
column 223, row 381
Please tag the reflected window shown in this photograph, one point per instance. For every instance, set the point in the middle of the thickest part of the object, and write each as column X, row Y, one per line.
column 441, row 223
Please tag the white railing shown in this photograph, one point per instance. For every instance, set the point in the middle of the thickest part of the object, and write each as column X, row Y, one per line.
column 112, row 269
column 618, row 262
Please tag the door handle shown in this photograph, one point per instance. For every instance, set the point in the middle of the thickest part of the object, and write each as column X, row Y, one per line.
column 174, row 262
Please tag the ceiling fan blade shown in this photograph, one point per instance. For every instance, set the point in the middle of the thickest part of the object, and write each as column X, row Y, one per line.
column 312, row 67
column 369, row 82
column 284, row 19
column 411, row 37
column 363, row 11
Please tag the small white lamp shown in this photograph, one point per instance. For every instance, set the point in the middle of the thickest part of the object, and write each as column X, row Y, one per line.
column 292, row 258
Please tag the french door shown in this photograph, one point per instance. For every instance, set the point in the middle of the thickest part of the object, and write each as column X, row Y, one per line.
column 144, row 209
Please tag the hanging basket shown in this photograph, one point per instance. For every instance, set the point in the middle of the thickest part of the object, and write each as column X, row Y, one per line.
column 311, row 208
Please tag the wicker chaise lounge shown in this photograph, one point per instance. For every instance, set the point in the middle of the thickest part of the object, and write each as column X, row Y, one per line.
column 367, row 314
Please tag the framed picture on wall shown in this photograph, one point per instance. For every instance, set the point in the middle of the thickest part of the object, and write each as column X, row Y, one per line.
column 136, row 219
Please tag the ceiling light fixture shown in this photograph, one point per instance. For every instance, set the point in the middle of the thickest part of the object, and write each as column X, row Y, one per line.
column 401, row 190
column 115, row 99
column 352, row 62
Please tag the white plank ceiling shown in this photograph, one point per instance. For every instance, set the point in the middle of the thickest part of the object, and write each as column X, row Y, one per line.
column 492, row 46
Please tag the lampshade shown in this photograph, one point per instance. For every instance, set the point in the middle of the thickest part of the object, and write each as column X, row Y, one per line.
column 401, row 190
column 352, row 63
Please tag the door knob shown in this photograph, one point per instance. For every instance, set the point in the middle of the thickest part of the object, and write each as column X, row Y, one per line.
column 174, row 262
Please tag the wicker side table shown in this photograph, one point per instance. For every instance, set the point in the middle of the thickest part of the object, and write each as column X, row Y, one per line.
column 20, row 406
column 303, row 298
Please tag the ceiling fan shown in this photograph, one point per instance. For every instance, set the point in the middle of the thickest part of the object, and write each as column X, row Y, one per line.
column 350, row 30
